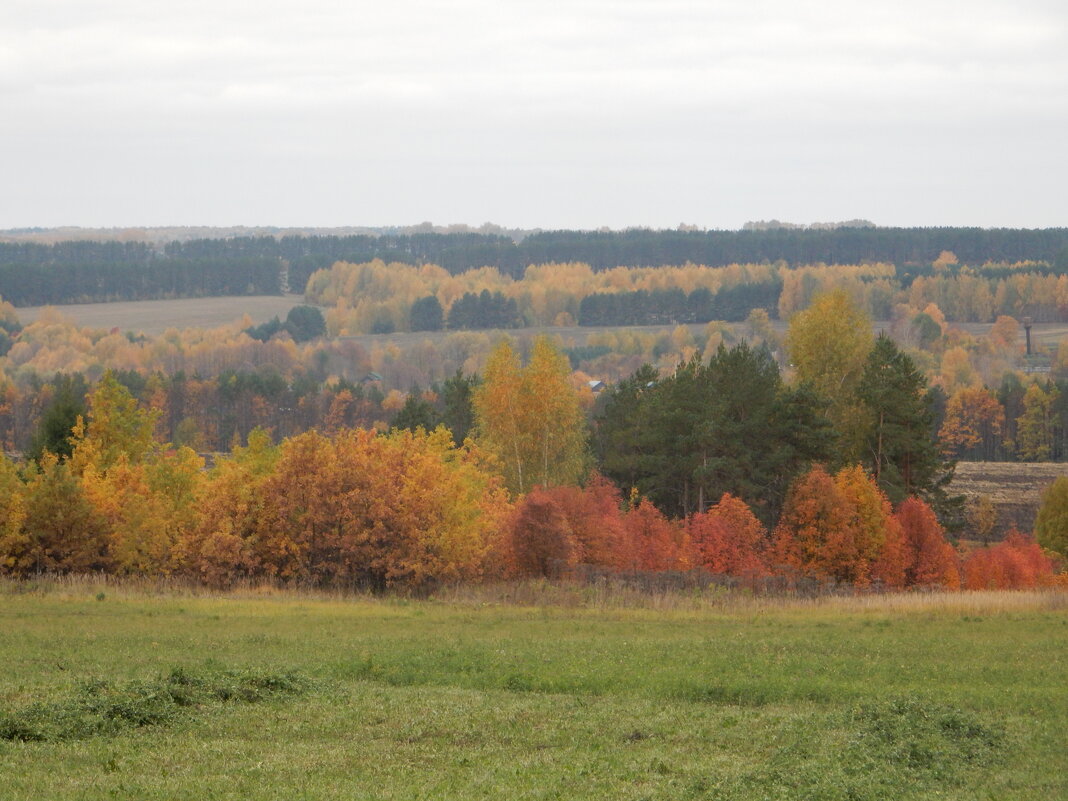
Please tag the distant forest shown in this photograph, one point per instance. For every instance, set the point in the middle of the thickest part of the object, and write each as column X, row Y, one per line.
column 87, row 271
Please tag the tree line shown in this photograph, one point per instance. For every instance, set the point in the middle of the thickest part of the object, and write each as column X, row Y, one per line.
column 67, row 272
column 674, row 306
column 411, row 508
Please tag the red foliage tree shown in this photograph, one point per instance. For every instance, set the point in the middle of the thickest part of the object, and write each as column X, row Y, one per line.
column 929, row 559
column 1015, row 563
column 596, row 521
column 889, row 566
column 817, row 533
column 541, row 541
column 728, row 539
column 650, row 540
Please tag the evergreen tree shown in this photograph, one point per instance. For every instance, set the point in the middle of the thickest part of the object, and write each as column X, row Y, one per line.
column 730, row 426
column 416, row 413
column 305, row 322
column 900, row 449
column 427, row 315
column 620, row 439
column 457, row 394
column 56, row 426
column 266, row 330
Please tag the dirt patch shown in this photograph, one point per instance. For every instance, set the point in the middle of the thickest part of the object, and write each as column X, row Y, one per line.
column 1014, row 487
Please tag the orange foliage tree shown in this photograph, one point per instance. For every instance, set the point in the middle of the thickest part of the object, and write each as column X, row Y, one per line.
column 217, row 549
column 840, row 528
column 878, row 538
column 1015, row 563
column 973, row 423
column 64, row 533
column 650, row 540
column 816, row 534
column 541, row 542
column 929, row 559
column 728, row 539
column 594, row 515
column 14, row 539
column 404, row 509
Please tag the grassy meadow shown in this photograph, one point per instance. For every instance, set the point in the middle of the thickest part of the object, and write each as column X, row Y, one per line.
column 109, row 692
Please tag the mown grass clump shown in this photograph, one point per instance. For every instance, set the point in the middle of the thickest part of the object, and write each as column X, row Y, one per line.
column 898, row 748
column 98, row 707
column 921, row 737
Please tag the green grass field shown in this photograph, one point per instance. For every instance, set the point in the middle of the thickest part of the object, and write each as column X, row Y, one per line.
column 956, row 697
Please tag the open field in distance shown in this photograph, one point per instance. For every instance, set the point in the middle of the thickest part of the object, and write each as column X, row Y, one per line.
column 955, row 696
column 156, row 316
column 1015, row 488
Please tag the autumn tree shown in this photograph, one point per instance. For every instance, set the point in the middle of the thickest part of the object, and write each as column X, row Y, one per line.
column 1051, row 524
column 973, row 424
column 1004, row 333
column 148, row 507
column 650, row 540
column 593, row 514
column 1016, row 562
column 530, row 417
column 1035, row 427
column 829, row 343
column 541, row 542
column 404, row 509
column 118, row 427
column 121, row 499
column 728, row 539
column 15, row 542
column 878, row 539
column 817, row 533
column 66, row 534
column 929, row 559
column 219, row 547
column 982, row 517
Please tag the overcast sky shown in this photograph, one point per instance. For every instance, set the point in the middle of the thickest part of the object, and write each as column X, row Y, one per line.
column 532, row 113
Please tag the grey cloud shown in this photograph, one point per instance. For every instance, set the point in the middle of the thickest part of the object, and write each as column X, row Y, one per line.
column 533, row 113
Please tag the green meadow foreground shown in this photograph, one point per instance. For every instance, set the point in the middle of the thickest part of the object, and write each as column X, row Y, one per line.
column 113, row 693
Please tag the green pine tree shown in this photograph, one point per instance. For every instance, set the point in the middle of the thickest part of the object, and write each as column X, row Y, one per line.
column 900, row 447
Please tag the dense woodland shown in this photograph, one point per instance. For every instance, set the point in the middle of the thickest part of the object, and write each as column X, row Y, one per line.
column 213, row 387
column 68, row 272
column 833, row 477
column 376, row 297
column 815, row 453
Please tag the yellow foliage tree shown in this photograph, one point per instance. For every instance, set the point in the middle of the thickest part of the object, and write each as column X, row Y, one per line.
column 530, row 417
column 828, row 344
column 14, row 541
